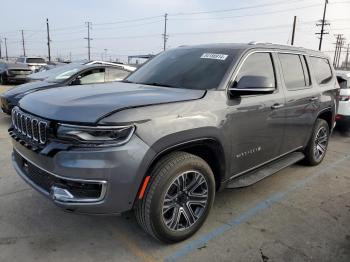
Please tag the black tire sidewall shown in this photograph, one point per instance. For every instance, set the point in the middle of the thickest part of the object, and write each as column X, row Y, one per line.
column 310, row 149
column 158, row 226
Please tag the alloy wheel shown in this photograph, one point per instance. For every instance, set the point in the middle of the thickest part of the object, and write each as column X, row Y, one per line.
column 185, row 201
column 320, row 145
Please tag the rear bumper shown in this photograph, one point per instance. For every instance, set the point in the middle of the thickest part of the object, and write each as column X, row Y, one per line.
column 343, row 119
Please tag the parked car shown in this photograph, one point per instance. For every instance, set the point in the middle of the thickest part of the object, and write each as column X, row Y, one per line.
column 13, row 73
column 343, row 117
column 190, row 122
column 67, row 75
column 34, row 63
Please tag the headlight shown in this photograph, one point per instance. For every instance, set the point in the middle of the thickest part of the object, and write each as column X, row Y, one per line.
column 97, row 135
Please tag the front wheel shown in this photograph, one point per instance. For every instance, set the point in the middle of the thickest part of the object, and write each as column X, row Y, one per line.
column 317, row 147
column 178, row 199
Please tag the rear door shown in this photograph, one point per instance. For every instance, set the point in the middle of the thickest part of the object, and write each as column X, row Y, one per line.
column 302, row 100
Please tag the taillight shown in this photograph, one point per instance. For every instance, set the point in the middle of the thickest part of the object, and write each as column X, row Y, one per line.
column 338, row 117
column 344, row 98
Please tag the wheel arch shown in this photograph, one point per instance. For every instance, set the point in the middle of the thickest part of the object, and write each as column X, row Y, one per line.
column 209, row 149
column 328, row 115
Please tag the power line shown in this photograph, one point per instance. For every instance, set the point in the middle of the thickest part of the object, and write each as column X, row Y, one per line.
column 245, row 15
column 236, row 9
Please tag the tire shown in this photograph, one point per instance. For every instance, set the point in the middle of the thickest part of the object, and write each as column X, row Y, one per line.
column 167, row 176
column 2, row 82
column 317, row 146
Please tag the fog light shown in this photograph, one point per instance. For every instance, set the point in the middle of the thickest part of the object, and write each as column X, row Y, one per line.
column 61, row 194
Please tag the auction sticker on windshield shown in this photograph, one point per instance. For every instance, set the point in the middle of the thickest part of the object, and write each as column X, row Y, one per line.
column 214, row 56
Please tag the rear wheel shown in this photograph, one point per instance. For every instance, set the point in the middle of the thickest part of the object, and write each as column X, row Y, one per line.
column 317, row 147
column 178, row 199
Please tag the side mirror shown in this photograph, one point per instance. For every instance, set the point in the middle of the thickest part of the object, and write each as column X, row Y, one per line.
column 76, row 81
column 253, row 85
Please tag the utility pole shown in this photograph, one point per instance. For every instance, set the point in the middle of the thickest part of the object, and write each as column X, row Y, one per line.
column 293, row 34
column 347, row 56
column 165, row 36
column 88, row 39
column 24, row 48
column 48, row 39
column 323, row 23
column 0, row 48
column 336, row 51
column 341, row 44
column 7, row 57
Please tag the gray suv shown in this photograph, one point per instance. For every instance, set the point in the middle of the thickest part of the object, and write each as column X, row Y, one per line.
column 190, row 122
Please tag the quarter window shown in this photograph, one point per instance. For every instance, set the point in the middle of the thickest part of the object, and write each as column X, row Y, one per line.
column 295, row 71
column 116, row 74
column 322, row 69
column 92, row 77
column 258, row 64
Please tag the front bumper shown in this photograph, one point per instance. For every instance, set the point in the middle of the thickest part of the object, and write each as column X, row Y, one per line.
column 114, row 174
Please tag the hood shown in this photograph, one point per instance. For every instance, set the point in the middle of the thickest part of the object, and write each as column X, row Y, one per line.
column 17, row 66
column 89, row 103
column 21, row 89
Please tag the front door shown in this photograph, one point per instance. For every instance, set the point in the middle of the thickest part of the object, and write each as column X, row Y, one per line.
column 257, row 121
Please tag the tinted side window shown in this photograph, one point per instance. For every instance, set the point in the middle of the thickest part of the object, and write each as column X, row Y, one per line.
column 92, row 77
column 343, row 83
column 257, row 64
column 116, row 74
column 322, row 70
column 293, row 71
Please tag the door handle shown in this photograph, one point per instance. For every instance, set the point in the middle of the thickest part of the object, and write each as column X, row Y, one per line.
column 276, row 106
column 315, row 98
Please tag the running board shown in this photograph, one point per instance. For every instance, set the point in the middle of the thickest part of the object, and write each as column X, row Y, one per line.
column 267, row 170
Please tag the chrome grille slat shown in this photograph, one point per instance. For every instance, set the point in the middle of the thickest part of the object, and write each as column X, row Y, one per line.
column 42, row 132
column 35, row 129
column 23, row 124
column 29, row 127
column 32, row 128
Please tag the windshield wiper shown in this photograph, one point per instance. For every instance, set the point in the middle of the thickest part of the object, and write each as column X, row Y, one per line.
column 127, row 81
column 157, row 84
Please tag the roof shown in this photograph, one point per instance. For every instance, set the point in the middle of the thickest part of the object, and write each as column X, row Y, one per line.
column 257, row 45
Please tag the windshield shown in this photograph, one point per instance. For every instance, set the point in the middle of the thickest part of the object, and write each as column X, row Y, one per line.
column 35, row 61
column 191, row 68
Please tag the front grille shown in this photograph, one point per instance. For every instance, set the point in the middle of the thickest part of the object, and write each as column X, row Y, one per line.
column 45, row 180
column 29, row 128
column 19, row 72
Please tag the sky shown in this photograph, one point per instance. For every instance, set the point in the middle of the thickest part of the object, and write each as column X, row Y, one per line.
column 135, row 27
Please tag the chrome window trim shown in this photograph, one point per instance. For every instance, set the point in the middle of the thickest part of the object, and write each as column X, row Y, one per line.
column 234, row 76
